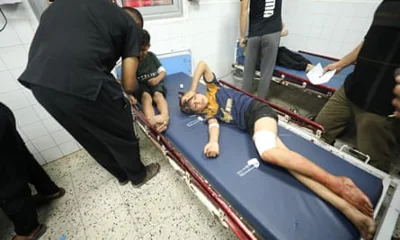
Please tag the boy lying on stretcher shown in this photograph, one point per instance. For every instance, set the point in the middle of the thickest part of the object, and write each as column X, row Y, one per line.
column 150, row 75
column 260, row 121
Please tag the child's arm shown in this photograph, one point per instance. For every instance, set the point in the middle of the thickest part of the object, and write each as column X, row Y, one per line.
column 156, row 80
column 212, row 147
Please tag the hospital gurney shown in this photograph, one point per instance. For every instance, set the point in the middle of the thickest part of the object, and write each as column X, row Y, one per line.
column 297, row 78
column 266, row 202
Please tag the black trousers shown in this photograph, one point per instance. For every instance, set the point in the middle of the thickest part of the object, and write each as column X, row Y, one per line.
column 18, row 168
column 104, row 127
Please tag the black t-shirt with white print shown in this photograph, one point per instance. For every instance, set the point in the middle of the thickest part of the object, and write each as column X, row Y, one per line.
column 265, row 17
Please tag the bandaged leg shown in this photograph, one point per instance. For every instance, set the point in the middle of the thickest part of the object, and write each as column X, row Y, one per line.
column 264, row 141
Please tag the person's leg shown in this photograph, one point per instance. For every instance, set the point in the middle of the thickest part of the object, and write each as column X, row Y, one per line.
column 272, row 150
column 21, row 210
column 269, row 50
column 250, row 62
column 147, row 107
column 376, row 137
column 162, row 107
column 335, row 115
column 108, row 122
column 364, row 224
column 93, row 146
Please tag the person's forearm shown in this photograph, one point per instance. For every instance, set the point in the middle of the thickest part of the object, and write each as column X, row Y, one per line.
column 129, row 69
column 197, row 75
column 161, row 76
column 243, row 23
column 351, row 57
column 213, row 134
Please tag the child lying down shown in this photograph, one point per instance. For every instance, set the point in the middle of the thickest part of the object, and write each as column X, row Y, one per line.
column 260, row 121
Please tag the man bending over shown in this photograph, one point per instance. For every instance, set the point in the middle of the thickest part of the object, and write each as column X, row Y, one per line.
column 260, row 121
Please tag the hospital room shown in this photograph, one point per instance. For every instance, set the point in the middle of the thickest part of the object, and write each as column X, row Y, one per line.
column 199, row 119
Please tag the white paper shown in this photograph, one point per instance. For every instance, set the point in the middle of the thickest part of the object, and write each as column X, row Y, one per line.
column 317, row 76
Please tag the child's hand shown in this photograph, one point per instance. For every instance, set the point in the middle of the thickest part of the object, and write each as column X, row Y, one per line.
column 132, row 99
column 187, row 96
column 211, row 149
column 153, row 82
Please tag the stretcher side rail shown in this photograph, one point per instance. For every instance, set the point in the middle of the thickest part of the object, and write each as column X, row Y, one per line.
column 193, row 179
column 319, row 55
column 289, row 116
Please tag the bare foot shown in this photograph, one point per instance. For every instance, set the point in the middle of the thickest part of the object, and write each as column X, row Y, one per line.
column 364, row 224
column 309, row 67
column 353, row 195
column 162, row 124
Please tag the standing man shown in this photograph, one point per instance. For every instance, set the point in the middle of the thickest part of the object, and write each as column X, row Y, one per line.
column 263, row 40
column 366, row 95
column 18, row 168
column 69, row 68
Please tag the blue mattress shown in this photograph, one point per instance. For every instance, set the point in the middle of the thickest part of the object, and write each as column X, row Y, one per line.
column 334, row 83
column 269, row 199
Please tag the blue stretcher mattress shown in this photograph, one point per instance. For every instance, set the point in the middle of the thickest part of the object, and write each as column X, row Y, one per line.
column 269, row 199
column 335, row 83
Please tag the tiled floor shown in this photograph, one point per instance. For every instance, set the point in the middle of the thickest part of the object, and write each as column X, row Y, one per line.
column 96, row 207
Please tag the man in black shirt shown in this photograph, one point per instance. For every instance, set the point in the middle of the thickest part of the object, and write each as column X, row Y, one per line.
column 263, row 40
column 77, row 44
column 366, row 96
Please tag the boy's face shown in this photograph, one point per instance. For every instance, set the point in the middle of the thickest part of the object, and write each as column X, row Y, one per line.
column 198, row 102
column 143, row 52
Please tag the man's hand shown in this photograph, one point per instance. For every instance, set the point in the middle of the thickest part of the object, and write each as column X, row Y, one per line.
column 243, row 43
column 396, row 101
column 132, row 99
column 336, row 65
column 153, row 81
column 211, row 149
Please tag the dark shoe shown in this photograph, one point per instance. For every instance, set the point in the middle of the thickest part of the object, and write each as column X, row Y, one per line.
column 123, row 183
column 38, row 234
column 151, row 171
column 42, row 200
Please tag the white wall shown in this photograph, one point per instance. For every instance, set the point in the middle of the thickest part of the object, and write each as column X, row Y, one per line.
column 45, row 138
column 209, row 30
column 327, row 27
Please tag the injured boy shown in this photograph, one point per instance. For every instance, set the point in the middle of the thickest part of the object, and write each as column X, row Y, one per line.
column 260, row 121
column 150, row 75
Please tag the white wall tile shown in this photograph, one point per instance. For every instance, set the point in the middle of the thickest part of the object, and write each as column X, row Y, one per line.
column 7, row 82
column 39, row 158
column 51, row 154
column 34, row 130
column 41, row 112
column 23, row 135
column 29, row 95
column 69, row 147
column 2, row 66
column 14, row 57
column 61, row 136
column 44, row 143
column 52, row 125
column 32, row 149
column 8, row 37
column 24, row 30
column 26, row 116
column 14, row 100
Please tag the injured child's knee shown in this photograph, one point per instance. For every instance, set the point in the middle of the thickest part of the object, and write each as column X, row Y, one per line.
column 264, row 141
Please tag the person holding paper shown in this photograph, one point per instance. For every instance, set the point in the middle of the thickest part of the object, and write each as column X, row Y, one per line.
column 367, row 94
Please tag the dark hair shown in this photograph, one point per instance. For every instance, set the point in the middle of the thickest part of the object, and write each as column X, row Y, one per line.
column 145, row 38
column 135, row 14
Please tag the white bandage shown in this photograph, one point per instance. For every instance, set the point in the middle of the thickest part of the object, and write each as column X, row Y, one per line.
column 264, row 141
column 213, row 125
column 161, row 69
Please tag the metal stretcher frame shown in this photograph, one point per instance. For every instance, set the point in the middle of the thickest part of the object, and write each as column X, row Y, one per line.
column 230, row 218
column 289, row 79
